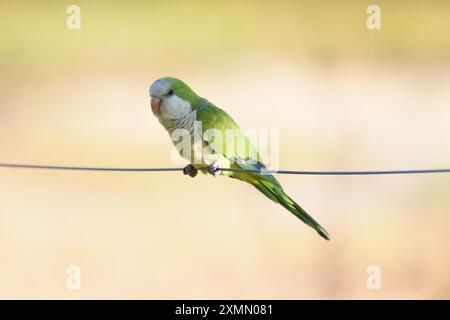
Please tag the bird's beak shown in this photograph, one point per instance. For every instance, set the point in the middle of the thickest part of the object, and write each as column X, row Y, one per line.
column 155, row 103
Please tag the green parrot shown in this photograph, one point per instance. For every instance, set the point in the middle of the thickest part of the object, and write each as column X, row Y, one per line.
column 179, row 109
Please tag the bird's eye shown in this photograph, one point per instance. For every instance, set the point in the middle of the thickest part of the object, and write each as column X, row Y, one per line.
column 170, row 92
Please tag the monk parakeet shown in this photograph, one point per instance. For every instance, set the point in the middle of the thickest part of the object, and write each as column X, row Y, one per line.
column 178, row 108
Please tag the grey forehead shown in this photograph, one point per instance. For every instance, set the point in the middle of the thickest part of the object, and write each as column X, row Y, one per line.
column 159, row 87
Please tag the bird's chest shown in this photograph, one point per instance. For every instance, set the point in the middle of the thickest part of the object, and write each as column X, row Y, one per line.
column 201, row 154
column 187, row 136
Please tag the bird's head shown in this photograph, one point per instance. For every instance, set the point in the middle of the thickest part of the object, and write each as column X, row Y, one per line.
column 171, row 98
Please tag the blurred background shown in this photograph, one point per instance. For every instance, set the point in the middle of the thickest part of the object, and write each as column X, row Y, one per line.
column 343, row 98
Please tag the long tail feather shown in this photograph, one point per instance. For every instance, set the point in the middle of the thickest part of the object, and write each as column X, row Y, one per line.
column 274, row 191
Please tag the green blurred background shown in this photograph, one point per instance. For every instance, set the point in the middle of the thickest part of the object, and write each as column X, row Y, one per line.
column 342, row 96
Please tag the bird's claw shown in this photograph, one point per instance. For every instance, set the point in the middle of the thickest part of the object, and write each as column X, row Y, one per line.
column 190, row 170
column 213, row 169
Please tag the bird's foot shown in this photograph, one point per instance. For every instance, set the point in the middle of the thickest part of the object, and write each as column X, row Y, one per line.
column 190, row 170
column 213, row 169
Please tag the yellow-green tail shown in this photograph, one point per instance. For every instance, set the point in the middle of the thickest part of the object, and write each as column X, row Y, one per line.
column 270, row 187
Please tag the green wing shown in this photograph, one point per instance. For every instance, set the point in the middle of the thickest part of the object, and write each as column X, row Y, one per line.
column 214, row 118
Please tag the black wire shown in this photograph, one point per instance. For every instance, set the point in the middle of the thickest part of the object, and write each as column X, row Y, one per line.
column 33, row 166
column 263, row 171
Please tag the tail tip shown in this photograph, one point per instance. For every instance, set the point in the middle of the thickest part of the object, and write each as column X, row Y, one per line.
column 323, row 233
